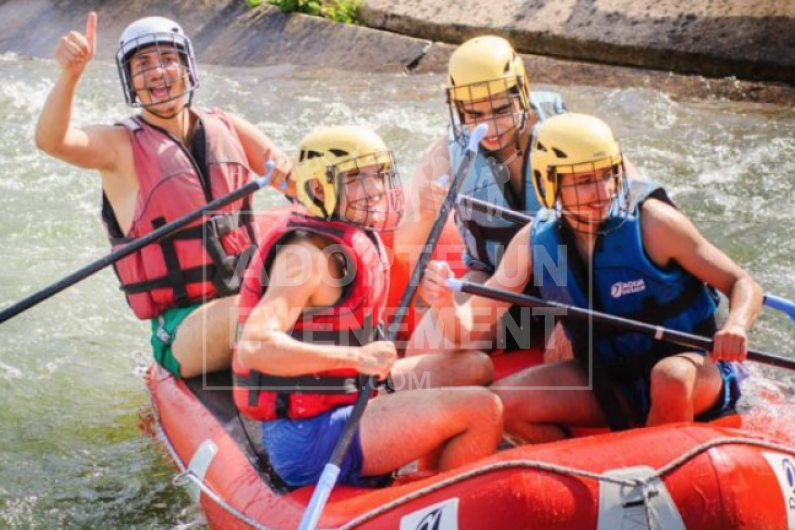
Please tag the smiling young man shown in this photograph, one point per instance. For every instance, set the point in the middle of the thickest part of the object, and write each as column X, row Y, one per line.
column 642, row 260
column 157, row 166
column 313, row 307
column 486, row 83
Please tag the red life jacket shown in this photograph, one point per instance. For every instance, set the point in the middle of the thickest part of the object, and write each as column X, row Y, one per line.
column 198, row 262
column 355, row 320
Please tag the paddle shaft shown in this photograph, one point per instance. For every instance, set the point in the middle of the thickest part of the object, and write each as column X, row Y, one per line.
column 780, row 304
column 772, row 301
column 130, row 248
column 658, row 332
column 486, row 207
column 405, row 300
column 328, row 479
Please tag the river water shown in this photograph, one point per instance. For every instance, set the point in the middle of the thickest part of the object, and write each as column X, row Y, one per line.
column 72, row 454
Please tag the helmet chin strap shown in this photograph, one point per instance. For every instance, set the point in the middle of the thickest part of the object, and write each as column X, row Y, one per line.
column 519, row 133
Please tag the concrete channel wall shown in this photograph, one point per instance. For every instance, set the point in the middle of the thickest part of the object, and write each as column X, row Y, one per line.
column 223, row 32
column 574, row 41
column 748, row 39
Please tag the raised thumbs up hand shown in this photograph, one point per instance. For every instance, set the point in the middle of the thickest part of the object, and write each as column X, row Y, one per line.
column 75, row 50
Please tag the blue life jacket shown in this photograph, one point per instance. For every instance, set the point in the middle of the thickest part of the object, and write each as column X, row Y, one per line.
column 486, row 236
column 626, row 283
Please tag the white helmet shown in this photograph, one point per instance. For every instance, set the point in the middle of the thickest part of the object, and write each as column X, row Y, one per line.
column 154, row 31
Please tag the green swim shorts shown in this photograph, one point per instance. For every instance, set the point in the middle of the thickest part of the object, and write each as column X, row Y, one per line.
column 164, row 331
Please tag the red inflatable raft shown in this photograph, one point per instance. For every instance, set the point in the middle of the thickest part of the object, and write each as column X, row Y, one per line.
column 736, row 473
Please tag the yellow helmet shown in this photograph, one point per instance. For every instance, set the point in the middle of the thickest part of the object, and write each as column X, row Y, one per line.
column 571, row 143
column 326, row 154
column 484, row 66
column 480, row 69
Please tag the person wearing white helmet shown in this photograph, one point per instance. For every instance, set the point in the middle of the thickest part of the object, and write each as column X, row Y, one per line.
column 146, row 45
column 156, row 166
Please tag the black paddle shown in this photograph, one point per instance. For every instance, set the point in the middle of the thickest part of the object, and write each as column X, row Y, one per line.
column 466, row 202
column 772, row 301
column 328, row 479
column 658, row 332
column 133, row 246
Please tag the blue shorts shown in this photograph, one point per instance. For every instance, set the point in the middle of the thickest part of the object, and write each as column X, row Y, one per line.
column 299, row 449
column 732, row 375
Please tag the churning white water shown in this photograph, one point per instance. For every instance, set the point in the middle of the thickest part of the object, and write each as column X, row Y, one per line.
column 71, row 451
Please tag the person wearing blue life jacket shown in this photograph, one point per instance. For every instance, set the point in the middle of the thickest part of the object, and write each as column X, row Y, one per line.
column 486, row 83
column 642, row 259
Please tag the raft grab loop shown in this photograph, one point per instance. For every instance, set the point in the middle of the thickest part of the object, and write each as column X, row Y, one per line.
column 647, row 485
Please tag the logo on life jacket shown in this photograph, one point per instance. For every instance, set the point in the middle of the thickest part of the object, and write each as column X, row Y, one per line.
column 619, row 289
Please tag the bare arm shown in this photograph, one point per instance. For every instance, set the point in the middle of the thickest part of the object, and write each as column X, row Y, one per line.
column 265, row 345
column 669, row 235
column 474, row 319
column 91, row 148
column 424, row 199
column 259, row 149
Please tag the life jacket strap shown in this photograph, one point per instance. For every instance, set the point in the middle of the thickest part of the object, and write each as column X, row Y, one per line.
column 174, row 272
column 257, row 382
column 225, row 272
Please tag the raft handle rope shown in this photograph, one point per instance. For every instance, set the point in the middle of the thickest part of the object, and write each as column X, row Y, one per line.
column 645, row 483
column 186, row 477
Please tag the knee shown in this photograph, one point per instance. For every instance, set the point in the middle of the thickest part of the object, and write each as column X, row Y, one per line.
column 484, row 407
column 513, row 402
column 480, row 369
column 672, row 380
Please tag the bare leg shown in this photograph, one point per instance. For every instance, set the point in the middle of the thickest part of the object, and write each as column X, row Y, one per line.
column 442, row 370
column 423, row 372
column 535, row 410
column 204, row 339
column 682, row 387
column 465, row 422
column 558, row 347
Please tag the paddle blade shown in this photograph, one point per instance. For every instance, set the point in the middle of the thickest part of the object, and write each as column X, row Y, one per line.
column 780, row 304
column 320, row 497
